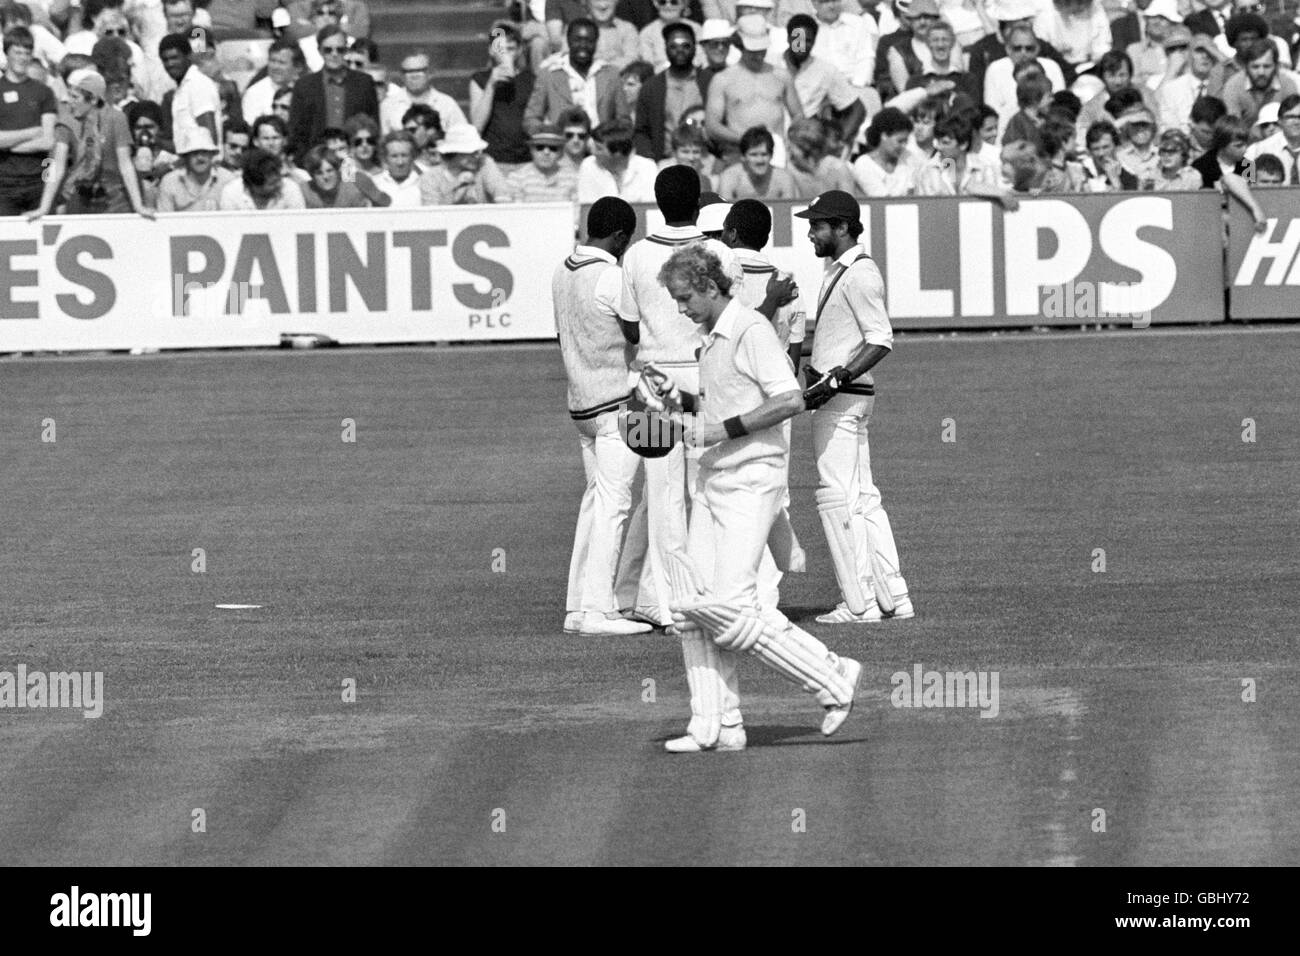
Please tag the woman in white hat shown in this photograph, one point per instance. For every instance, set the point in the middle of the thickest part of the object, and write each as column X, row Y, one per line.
column 91, row 162
column 466, row 175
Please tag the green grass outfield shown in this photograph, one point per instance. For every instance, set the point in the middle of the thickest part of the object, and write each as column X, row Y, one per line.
column 373, row 561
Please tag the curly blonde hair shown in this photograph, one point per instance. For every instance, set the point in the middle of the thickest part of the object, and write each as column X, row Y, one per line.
column 697, row 267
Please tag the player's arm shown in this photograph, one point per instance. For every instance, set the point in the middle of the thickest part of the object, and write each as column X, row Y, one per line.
column 609, row 289
column 631, row 330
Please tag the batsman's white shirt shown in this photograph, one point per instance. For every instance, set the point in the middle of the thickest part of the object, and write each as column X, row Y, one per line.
column 850, row 311
column 789, row 319
column 585, row 290
column 742, row 364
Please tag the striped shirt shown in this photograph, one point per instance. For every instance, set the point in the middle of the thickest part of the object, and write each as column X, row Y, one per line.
column 530, row 184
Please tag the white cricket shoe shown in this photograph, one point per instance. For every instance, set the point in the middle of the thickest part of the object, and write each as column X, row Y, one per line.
column 902, row 609
column 572, row 622
column 595, row 624
column 842, row 615
column 731, row 738
column 851, row 670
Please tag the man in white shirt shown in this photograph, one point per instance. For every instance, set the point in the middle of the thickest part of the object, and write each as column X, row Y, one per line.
column 284, row 63
column 417, row 88
column 613, row 169
column 847, row 41
column 1177, row 91
column 1285, row 143
column 585, row 289
column 196, row 103
column 1000, row 80
column 399, row 180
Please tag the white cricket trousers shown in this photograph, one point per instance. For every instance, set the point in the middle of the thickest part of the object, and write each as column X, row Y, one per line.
column 736, row 509
column 610, row 467
column 844, row 464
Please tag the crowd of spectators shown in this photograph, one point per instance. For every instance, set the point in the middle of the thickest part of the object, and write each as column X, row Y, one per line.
column 142, row 105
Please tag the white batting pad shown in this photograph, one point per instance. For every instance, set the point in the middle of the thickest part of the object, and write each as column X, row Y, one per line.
column 705, row 682
column 803, row 659
column 834, row 512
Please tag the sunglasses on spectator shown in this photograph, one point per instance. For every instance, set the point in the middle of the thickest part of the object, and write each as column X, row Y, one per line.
column 1030, row 48
column 415, row 70
column 1169, row 151
column 358, row 140
column 546, row 148
column 618, row 149
column 356, row 62
column 115, row 32
column 1178, row 47
column 333, row 49
column 1290, row 118
column 573, row 134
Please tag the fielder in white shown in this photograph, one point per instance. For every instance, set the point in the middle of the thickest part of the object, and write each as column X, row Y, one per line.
column 585, row 289
column 747, row 390
column 669, row 342
column 852, row 333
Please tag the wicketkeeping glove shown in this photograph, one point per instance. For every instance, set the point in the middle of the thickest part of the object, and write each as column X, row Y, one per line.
column 821, row 386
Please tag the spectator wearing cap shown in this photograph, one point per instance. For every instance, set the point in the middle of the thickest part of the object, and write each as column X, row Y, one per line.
column 1079, row 29
column 903, row 53
column 1001, row 77
column 196, row 185
column 653, row 37
column 847, row 41
column 1262, row 81
column 261, row 185
column 1266, row 122
column 823, row 90
column 1172, row 169
column 776, row 36
column 1284, row 143
column 1137, row 154
column 546, row 178
column 328, row 188
column 752, row 93
column 667, row 96
column 399, row 180
column 499, row 95
column 1149, row 58
column 417, row 87
column 284, row 64
column 719, row 48
column 330, row 97
column 92, row 155
column 579, row 80
column 617, row 42
column 465, row 175
column 28, row 113
column 1008, row 14
column 196, row 102
column 613, row 169
column 1190, row 60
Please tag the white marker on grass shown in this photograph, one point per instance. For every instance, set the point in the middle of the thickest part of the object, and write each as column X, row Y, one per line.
column 238, row 607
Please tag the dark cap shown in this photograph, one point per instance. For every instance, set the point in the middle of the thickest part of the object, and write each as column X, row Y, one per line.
column 833, row 204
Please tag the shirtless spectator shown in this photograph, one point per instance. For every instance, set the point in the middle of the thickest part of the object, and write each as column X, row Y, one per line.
column 754, row 177
column 752, row 94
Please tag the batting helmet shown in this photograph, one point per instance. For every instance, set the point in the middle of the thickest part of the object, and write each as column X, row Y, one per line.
column 649, row 433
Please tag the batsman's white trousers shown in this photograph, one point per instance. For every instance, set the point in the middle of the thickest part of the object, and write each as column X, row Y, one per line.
column 735, row 511
column 610, row 467
column 844, row 464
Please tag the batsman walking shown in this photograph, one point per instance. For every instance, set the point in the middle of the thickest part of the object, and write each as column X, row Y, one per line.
column 851, row 334
column 747, row 389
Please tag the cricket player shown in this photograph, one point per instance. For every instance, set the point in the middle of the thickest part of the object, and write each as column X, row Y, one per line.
column 585, row 289
column 669, row 342
column 746, row 228
column 746, row 391
column 851, row 334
